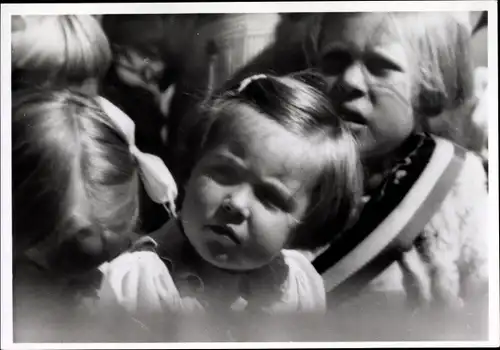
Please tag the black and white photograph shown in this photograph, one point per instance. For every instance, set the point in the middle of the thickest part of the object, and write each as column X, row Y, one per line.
column 261, row 174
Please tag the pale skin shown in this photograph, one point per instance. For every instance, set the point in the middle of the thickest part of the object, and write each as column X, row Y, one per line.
column 370, row 79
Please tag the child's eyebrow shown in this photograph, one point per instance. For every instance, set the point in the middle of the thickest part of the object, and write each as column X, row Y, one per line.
column 228, row 157
column 379, row 54
column 335, row 46
column 279, row 189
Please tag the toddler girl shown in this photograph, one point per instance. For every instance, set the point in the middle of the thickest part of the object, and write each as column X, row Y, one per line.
column 268, row 165
column 74, row 172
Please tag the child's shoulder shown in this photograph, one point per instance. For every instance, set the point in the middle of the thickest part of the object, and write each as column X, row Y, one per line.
column 297, row 261
column 471, row 158
column 304, row 283
column 465, row 205
column 139, row 280
column 301, row 270
column 471, row 179
column 139, row 256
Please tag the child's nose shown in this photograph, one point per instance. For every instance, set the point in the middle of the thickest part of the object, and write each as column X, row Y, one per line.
column 354, row 79
column 236, row 205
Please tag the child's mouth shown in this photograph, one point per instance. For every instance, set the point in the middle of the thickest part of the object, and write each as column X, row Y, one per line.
column 355, row 128
column 351, row 116
column 354, row 120
column 225, row 231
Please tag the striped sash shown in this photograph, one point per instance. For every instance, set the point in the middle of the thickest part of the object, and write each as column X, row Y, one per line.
column 350, row 264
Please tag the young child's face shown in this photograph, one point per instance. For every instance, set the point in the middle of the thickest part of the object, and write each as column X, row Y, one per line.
column 248, row 193
column 147, row 63
column 369, row 76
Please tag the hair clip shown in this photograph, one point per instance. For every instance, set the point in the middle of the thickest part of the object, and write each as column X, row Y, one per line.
column 245, row 82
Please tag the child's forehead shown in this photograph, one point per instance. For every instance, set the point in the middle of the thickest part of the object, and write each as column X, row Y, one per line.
column 256, row 139
column 241, row 125
column 242, row 120
column 358, row 29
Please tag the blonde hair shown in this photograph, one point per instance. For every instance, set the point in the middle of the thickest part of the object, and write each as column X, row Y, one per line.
column 75, row 182
column 63, row 50
column 438, row 44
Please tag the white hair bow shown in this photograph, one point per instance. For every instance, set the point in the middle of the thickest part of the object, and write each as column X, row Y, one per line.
column 158, row 181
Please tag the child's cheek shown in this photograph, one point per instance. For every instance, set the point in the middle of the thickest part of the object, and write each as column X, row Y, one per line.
column 393, row 112
column 271, row 231
column 207, row 194
column 400, row 83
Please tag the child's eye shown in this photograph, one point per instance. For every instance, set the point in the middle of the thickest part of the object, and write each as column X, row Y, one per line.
column 381, row 67
column 273, row 199
column 223, row 174
column 335, row 62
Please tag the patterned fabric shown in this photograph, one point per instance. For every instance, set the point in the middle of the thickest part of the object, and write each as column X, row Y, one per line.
column 448, row 261
column 382, row 200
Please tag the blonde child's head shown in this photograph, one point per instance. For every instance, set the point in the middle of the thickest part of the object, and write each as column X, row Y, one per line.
column 269, row 166
column 390, row 72
column 74, row 181
column 59, row 51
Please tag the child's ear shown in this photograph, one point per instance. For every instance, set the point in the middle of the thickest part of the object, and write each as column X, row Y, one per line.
column 430, row 103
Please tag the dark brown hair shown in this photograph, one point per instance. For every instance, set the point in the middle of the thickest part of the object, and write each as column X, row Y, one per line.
column 298, row 104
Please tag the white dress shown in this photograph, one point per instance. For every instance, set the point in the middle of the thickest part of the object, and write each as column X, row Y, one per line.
column 141, row 282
